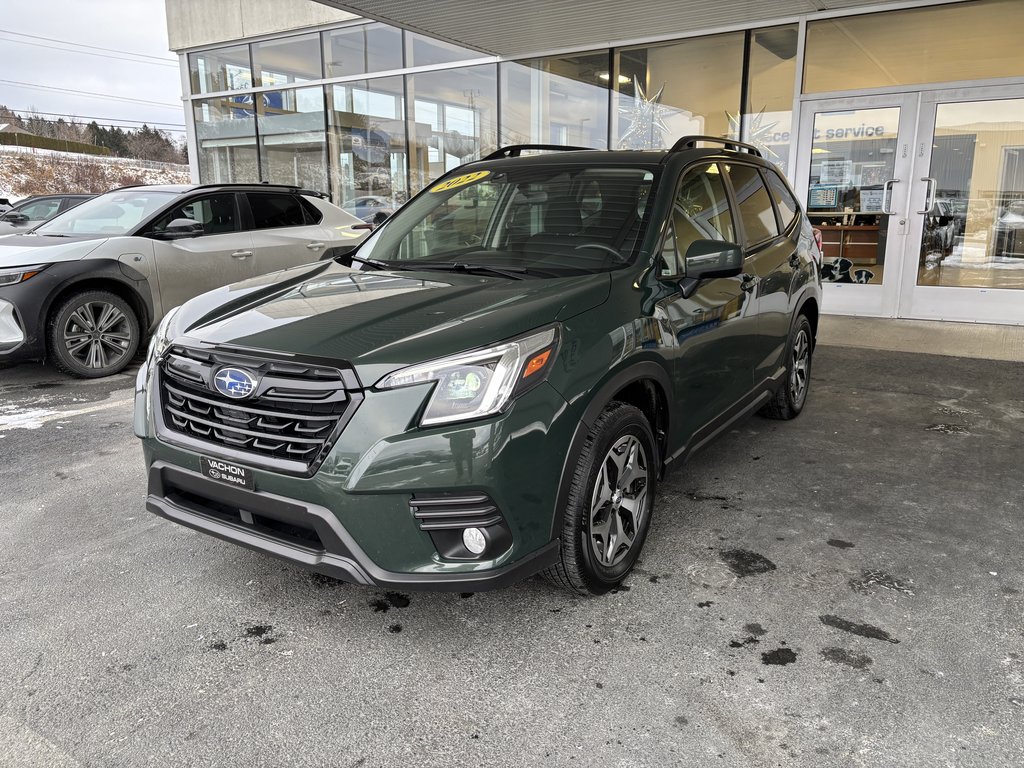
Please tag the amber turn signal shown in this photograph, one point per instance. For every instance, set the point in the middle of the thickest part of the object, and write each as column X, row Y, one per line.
column 537, row 363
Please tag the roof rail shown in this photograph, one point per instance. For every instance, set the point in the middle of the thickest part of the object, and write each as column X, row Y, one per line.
column 690, row 142
column 515, row 150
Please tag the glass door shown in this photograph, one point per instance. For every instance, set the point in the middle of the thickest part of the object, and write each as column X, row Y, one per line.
column 854, row 168
column 965, row 250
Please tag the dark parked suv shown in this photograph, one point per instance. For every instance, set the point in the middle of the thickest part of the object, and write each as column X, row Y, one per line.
column 492, row 385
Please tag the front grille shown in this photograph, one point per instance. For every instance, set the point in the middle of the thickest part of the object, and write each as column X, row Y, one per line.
column 287, row 424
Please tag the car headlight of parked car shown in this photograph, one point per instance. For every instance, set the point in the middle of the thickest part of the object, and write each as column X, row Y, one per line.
column 17, row 275
column 472, row 385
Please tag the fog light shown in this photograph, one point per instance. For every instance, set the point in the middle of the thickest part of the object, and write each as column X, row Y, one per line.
column 474, row 540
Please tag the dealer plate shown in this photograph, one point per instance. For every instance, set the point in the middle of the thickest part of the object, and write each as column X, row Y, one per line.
column 226, row 472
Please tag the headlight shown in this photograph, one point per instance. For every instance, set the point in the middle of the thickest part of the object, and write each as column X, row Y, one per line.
column 162, row 337
column 476, row 384
column 16, row 275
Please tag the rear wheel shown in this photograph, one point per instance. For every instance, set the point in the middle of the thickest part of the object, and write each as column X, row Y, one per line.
column 610, row 501
column 93, row 334
column 792, row 395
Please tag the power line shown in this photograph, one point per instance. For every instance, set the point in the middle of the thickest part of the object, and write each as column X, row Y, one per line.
column 150, row 123
column 36, row 86
column 89, row 53
column 84, row 45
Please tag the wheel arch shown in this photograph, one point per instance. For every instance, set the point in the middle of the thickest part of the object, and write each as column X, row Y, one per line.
column 645, row 385
column 120, row 288
column 809, row 307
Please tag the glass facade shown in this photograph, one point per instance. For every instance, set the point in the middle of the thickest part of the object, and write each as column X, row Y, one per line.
column 305, row 109
column 561, row 100
column 968, row 41
column 670, row 90
column 354, row 135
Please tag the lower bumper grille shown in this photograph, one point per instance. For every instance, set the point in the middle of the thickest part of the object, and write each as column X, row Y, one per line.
column 446, row 516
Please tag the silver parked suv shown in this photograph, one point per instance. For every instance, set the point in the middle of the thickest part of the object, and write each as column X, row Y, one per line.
column 83, row 288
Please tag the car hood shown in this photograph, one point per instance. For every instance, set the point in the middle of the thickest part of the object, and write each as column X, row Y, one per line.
column 24, row 250
column 381, row 321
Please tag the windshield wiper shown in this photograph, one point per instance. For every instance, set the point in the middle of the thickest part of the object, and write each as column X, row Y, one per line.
column 513, row 273
column 369, row 262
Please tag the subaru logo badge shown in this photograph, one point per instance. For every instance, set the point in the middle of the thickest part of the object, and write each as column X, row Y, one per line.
column 235, row 383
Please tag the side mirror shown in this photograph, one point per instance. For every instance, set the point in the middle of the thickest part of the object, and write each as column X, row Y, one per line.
column 179, row 229
column 14, row 217
column 707, row 259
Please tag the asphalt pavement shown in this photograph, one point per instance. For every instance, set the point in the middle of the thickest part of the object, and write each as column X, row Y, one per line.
column 841, row 590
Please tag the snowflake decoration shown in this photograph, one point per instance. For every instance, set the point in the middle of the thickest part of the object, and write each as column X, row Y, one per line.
column 757, row 132
column 647, row 127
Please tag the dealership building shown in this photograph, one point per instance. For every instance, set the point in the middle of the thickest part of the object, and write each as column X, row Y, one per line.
column 899, row 124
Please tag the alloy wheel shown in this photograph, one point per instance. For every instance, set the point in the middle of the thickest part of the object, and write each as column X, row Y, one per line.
column 619, row 501
column 800, row 368
column 97, row 335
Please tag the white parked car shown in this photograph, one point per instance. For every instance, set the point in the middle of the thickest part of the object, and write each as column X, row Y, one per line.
column 84, row 288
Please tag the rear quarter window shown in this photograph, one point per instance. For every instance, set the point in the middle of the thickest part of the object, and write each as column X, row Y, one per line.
column 784, row 200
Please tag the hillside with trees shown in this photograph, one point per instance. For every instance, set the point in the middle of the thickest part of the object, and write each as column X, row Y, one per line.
column 143, row 143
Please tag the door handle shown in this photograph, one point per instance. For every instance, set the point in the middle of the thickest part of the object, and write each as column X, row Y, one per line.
column 930, row 201
column 887, row 197
column 241, row 254
column 749, row 281
column 315, row 246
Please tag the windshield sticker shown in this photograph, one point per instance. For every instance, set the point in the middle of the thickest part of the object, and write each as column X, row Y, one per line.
column 460, row 181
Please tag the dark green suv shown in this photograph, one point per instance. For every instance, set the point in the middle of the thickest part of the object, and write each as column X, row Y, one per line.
column 492, row 385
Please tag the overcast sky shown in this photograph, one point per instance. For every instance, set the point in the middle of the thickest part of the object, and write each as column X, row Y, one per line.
column 127, row 26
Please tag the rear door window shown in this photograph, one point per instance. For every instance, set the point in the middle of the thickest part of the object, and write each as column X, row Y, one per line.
column 755, row 206
column 271, row 211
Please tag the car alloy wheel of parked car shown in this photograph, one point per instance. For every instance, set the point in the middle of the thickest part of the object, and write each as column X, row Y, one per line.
column 94, row 334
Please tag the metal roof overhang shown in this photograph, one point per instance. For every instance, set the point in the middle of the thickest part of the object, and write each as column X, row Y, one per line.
column 522, row 27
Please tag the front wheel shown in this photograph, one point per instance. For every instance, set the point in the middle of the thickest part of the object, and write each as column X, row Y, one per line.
column 93, row 334
column 792, row 395
column 611, row 497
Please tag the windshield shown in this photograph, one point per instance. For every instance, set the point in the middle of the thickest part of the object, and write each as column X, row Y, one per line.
column 541, row 221
column 115, row 213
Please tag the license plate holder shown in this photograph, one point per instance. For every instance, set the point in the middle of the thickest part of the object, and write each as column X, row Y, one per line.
column 228, row 473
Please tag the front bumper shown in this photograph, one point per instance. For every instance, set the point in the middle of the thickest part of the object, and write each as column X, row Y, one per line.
column 281, row 528
column 360, row 516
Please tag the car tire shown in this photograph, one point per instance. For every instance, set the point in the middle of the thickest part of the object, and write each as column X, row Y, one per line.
column 791, row 397
column 594, row 556
column 93, row 334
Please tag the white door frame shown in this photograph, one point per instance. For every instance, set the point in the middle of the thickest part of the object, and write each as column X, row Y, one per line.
column 851, row 298
column 985, row 305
